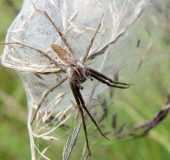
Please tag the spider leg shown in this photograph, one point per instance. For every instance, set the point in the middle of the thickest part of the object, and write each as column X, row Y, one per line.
column 74, row 88
column 56, row 28
column 105, row 77
column 84, row 107
column 45, row 94
column 105, row 82
column 91, row 42
column 81, row 101
column 35, row 49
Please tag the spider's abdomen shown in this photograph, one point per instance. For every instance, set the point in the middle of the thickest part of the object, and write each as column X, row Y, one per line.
column 63, row 55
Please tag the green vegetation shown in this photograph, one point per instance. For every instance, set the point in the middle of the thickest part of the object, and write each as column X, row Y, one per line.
column 14, row 142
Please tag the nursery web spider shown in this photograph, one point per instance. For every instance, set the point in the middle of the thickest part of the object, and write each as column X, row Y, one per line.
column 76, row 73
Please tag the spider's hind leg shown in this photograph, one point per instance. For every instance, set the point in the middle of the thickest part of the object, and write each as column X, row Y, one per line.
column 45, row 94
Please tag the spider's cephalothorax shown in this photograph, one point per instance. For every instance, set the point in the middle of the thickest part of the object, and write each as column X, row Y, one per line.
column 77, row 74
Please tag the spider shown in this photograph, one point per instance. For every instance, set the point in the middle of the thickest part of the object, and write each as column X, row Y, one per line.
column 76, row 73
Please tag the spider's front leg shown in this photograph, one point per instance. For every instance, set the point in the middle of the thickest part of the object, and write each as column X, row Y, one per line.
column 74, row 89
column 81, row 104
column 56, row 28
column 106, row 80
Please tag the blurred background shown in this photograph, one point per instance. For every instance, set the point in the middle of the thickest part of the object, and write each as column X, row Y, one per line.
column 14, row 142
column 138, row 107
